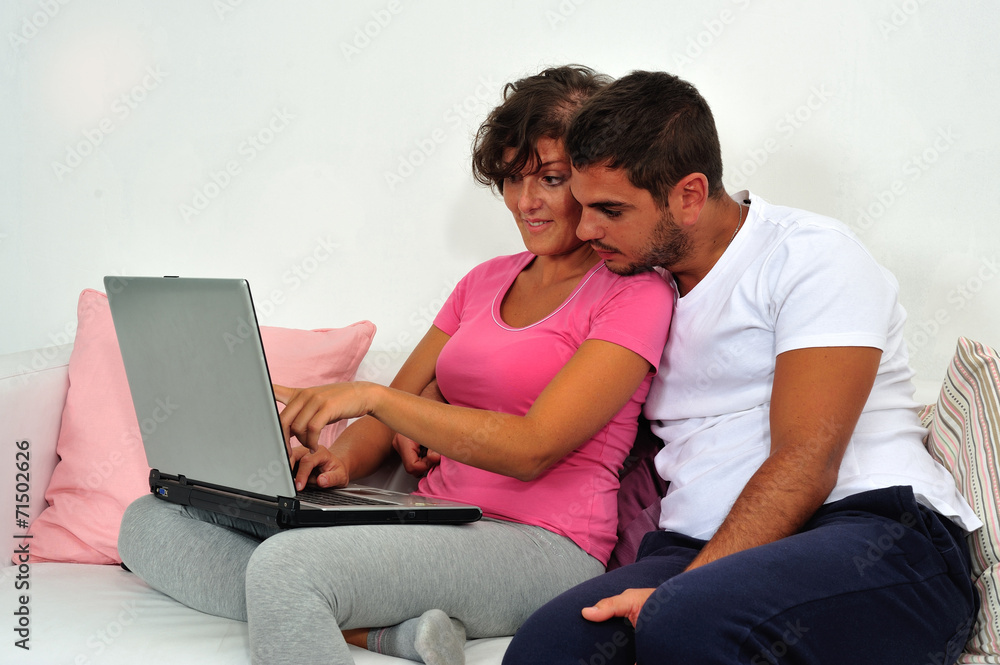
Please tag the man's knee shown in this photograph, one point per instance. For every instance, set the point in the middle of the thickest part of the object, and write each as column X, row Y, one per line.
column 558, row 633
column 692, row 622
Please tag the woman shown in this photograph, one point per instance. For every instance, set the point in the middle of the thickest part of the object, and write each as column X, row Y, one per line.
column 544, row 357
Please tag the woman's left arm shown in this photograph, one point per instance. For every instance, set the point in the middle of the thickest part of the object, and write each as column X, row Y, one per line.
column 587, row 392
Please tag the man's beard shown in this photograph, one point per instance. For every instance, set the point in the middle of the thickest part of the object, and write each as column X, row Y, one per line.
column 668, row 246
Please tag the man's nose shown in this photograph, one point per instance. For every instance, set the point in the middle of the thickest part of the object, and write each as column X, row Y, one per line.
column 589, row 228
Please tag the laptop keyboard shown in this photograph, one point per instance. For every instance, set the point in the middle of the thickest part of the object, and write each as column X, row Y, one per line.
column 328, row 498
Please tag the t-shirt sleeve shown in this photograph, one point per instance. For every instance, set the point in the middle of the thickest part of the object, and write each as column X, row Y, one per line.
column 636, row 315
column 450, row 314
column 825, row 289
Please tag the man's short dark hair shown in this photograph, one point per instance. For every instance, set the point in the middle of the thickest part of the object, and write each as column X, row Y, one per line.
column 655, row 126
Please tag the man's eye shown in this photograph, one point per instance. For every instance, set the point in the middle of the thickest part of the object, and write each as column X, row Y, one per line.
column 607, row 212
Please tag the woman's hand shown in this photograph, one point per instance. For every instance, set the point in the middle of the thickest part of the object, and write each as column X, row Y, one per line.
column 308, row 410
column 417, row 460
column 318, row 467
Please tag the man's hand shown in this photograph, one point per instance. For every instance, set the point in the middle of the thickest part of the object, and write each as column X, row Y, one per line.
column 627, row 604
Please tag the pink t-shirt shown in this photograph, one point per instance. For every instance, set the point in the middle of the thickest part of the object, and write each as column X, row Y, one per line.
column 489, row 365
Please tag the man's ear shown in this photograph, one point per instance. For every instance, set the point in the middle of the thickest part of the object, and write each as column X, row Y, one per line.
column 688, row 197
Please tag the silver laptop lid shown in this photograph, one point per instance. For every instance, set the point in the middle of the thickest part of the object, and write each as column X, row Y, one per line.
column 199, row 381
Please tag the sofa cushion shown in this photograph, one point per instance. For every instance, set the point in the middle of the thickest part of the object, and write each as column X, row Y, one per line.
column 102, row 615
column 102, row 466
column 33, row 388
column 963, row 434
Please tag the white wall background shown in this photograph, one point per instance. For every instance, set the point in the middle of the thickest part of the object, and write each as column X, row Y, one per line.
column 320, row 149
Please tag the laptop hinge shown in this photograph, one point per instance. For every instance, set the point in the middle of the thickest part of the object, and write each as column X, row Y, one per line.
column 287, row 508
column 156, row 485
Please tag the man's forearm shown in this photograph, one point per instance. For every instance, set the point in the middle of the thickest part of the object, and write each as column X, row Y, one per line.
column 778, row 499
column 817, row 396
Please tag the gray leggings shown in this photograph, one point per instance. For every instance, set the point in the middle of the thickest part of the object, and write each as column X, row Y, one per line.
column 298, row 589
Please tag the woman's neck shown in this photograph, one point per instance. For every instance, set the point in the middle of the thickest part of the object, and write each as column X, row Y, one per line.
column 556, row 268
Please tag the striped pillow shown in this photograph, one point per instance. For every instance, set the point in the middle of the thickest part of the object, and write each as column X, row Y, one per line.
column 964, row 435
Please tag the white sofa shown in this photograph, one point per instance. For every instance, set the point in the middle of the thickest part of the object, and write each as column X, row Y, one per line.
column 87, row 614
column 84, row 614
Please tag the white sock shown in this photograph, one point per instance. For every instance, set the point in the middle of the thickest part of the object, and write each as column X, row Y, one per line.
column 432, row 638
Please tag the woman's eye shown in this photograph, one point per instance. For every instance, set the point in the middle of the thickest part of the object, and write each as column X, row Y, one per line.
column 553, row 180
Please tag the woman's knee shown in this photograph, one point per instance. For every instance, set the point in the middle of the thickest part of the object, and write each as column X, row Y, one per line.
column 271, row 560
column 137, row 513
column 282, row 562
column 140, row 517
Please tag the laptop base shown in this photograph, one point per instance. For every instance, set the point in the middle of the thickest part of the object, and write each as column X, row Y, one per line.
column 285, row 512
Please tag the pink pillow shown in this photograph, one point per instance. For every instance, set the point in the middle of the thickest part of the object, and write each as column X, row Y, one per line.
column 102, row 466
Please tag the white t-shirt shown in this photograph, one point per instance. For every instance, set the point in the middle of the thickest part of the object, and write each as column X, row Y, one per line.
column 790, row 280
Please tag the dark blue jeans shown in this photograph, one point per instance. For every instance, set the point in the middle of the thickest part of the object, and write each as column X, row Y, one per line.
column 874, row 578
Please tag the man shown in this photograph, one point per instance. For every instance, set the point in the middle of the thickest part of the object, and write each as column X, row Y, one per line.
column 804, row 521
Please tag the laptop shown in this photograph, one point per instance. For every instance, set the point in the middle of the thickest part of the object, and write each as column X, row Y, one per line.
column 209, row 419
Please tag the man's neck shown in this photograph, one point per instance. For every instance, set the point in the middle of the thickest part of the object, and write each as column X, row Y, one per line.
column 717, row 226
